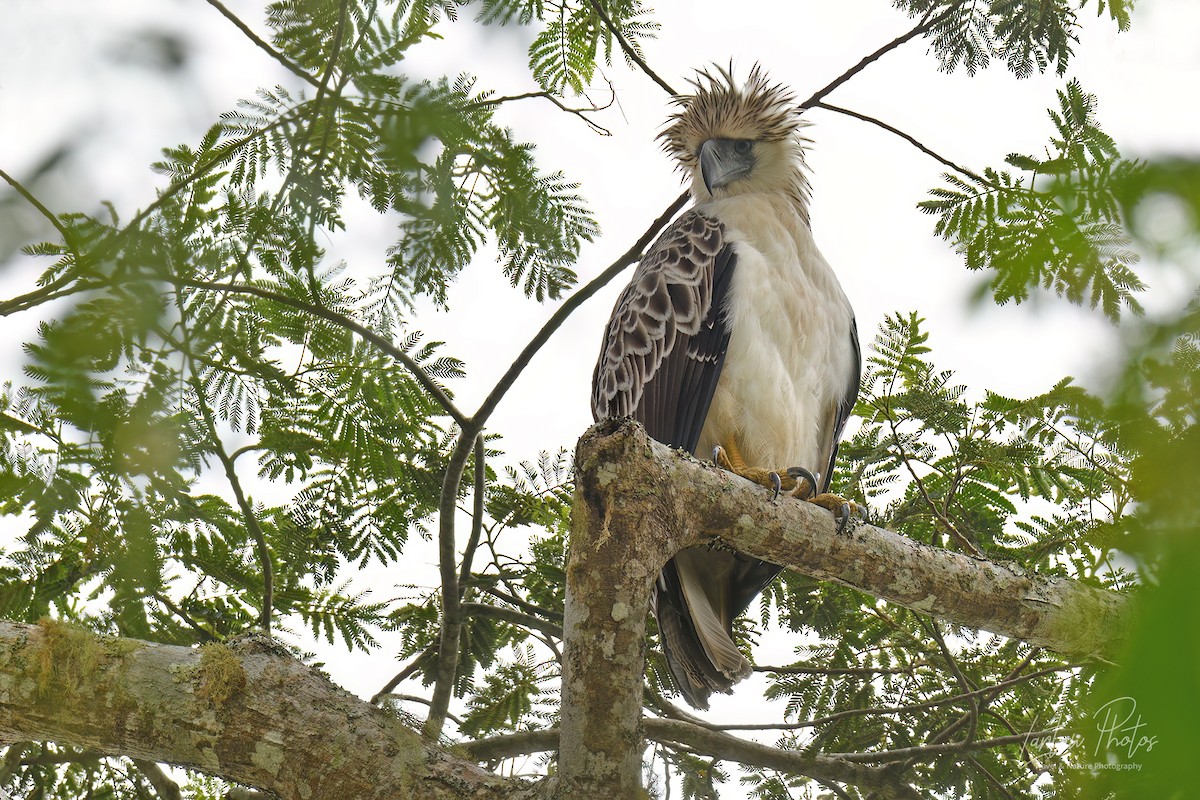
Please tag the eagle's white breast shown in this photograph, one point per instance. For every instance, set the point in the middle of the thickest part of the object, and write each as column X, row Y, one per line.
column 790, row 354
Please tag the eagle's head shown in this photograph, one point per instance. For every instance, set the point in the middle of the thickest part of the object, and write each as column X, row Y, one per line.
column 733, row 140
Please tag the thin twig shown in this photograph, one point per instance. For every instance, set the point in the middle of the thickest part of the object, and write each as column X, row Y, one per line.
column 992, row 690
column 906, row 137
column 837, row 670
column 252, row 525
column 514, row 617
column 701, row 740
column 574, row 301
column 407, row 672
column 950, row 527
column 925, row 752
column 414, row 698
column 925, row 24
column 975, row 705
column 33, row 201
column 630, row 53
column 577, row 111
column 530, row 608
column 263, row 45
column 427, row 383
column 204, row 635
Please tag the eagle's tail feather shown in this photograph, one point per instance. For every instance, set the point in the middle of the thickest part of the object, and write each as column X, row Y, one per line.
column 692, row 606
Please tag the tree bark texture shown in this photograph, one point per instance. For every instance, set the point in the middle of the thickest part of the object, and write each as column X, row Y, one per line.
column 246, row 711
column 649, row 483
column 637, row 502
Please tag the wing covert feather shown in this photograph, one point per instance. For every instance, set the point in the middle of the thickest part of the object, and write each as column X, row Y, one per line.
column 665, row 344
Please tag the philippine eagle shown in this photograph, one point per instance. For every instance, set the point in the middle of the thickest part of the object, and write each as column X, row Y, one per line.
column 733, row 339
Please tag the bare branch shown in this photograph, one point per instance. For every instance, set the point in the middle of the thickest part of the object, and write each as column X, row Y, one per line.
column 805, row 670
column 928, row 751
column 290, row 65
column 33, row 201
column 988, row 693
column 573, row 302
column 409, row 670
column 925, row 24
column 713, row 743
column 464, row 572
column 821, row 767
column 576, row 111
column 906, row 137
column 630, row 53
column 514, row 617
column 530, row 608
column 448, row 638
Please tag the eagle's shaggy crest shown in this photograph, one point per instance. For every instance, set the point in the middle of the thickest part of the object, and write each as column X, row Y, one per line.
column 760, row 111
column 719, row 108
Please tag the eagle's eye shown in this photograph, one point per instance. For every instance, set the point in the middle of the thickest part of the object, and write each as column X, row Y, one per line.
column 742, row 146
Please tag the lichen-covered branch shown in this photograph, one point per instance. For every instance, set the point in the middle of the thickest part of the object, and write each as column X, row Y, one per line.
column 246, row 711
column 638, row 502
column 708, row 503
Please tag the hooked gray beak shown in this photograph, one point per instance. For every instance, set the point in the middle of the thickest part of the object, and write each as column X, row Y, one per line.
column 723, row 161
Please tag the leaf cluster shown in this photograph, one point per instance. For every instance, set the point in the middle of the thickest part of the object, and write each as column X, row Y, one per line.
column 1055, row 224
column 1026, row 35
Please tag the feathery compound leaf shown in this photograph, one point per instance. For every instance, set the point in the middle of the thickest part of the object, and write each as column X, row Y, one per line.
column 1028, row 35
column 481, row 184
column 565, row 53
column 1058, row 226
column 506, row 12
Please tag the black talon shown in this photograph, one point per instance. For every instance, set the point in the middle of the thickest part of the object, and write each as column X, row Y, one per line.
column 801, row 472
column 716, row 454
column 845, row 518
column 777, row 484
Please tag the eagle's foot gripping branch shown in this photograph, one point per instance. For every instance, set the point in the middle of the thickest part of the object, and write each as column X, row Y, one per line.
column 843, row 509
column 798, row 482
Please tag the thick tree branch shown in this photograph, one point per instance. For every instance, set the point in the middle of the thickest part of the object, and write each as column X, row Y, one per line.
column 164, row 787
column 638, row 502
column 1062, row 615
column 448, row 638
column 246, row 711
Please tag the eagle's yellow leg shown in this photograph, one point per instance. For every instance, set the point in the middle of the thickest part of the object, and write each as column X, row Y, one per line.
column 729, row 456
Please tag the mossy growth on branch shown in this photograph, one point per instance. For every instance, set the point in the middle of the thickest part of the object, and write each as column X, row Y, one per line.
column 220, row 676
column 62, row 658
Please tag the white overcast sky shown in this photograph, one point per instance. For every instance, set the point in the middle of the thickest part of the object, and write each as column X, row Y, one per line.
column 67, row 73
